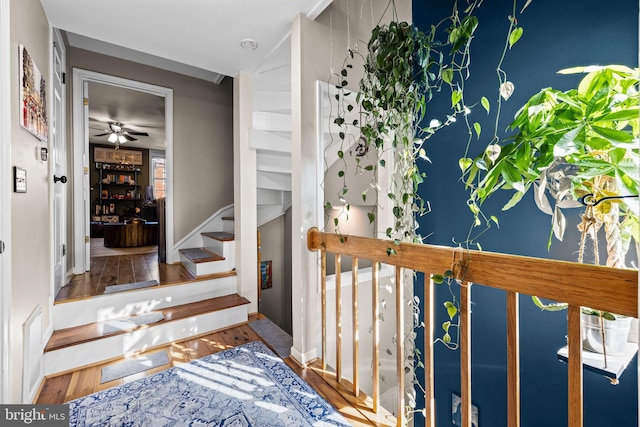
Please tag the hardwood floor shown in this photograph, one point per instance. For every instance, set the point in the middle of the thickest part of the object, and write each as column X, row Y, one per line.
column 62, row 338
column 120, row 269
column 72, row 385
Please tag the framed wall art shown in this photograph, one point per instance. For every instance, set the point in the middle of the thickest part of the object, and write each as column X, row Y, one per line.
column 33, row 97
column 111, row 155
column 266, row 272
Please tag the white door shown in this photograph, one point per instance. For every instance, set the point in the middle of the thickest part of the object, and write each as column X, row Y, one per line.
column 58, row 165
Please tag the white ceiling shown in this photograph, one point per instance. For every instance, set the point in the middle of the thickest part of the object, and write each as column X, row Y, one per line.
column 199, row 38
column 204, row 34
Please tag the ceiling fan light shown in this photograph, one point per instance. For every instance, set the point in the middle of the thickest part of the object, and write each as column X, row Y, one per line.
column 112, row 138
column 122, row 139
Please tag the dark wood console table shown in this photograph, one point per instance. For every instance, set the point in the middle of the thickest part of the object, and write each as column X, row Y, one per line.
column 132, row 234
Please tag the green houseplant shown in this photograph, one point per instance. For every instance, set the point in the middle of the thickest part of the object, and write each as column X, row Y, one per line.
column 577, row 148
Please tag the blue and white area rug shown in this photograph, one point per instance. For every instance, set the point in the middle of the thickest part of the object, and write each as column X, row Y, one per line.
column 241, row 387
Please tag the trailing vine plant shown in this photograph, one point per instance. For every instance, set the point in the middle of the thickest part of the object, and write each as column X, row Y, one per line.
column 404, row 68
column 481, row 223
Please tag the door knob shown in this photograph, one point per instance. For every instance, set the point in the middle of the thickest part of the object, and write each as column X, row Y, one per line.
column 62, row 179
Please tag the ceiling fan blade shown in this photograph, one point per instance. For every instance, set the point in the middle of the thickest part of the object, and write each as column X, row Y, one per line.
column 104, row 134
column 133, row 132
column 129, row 137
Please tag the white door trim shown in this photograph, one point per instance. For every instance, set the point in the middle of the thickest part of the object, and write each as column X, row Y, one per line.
column 5, row 201
column 60, row 127
column 81, row 159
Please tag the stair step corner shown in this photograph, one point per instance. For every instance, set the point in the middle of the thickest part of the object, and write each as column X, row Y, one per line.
column 200, row 255
column 222, row 236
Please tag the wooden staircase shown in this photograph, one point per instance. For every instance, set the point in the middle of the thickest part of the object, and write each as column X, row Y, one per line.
column 214, row 256
column 88, row 331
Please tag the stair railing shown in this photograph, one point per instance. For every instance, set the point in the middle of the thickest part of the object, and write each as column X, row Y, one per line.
column 579, row 285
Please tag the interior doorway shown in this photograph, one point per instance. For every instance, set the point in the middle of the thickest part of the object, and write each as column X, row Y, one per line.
column 83, row 205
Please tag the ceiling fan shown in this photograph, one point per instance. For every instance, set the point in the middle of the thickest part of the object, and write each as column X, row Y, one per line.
column 119, row 134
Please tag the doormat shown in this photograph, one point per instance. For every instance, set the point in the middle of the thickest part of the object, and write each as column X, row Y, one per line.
column 278, row 339
column 129, row 286
column 134, row 366
column 131, row 322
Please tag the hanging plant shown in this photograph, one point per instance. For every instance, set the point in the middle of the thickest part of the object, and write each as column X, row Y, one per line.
column 572, row 149
column 403, row 67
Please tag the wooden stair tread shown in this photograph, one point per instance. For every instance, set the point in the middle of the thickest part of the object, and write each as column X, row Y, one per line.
column 85, row 333
column 228, row 218
column 223, row 236
column 198, row 255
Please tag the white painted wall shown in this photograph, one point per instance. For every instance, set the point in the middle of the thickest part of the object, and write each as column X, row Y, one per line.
column 244, row 187
column 5, row 202
column 30, row 211
column 365, row 322
column 276, row 301
column 317, row 48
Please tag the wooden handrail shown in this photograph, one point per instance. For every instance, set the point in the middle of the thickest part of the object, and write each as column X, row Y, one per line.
column 579, row 285
column 570, row 282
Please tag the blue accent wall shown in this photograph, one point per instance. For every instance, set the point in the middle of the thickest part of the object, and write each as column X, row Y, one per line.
column 557, row 34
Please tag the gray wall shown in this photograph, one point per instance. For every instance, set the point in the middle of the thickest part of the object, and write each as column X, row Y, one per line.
column 203, row 135
column 30, row 217
column 276, row 301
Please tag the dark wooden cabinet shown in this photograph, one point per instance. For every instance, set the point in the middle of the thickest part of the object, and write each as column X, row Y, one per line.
column 131, row 234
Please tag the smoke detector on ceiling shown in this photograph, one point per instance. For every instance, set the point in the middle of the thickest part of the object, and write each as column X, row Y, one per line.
column 249, row 44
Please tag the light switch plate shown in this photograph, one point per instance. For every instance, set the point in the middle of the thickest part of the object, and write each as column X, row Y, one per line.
column 19, row 180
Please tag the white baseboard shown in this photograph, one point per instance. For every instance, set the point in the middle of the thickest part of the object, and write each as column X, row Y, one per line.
column 304, row 358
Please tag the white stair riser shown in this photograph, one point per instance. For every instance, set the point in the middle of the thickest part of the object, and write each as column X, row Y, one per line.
column 225, row 248
column 273, row 181
column 271, row 121
column 273, row 162
column 228, row 225
column 111, row 347
column 121, row 304
column 269, row 197
column 205, row 268
column 272, row 101
column 264, row 140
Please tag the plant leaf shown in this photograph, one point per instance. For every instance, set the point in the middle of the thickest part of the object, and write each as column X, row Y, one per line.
column 515, row 35
column 485, row 103
column 447, row 75
column 525, row 5
column 517, row 196
column 540, row 198
column 567, row 145
column 438, row 279
column 556, row 306
column 559, row 223
column 506, row 90
column 465, row 163
column 477, row 128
